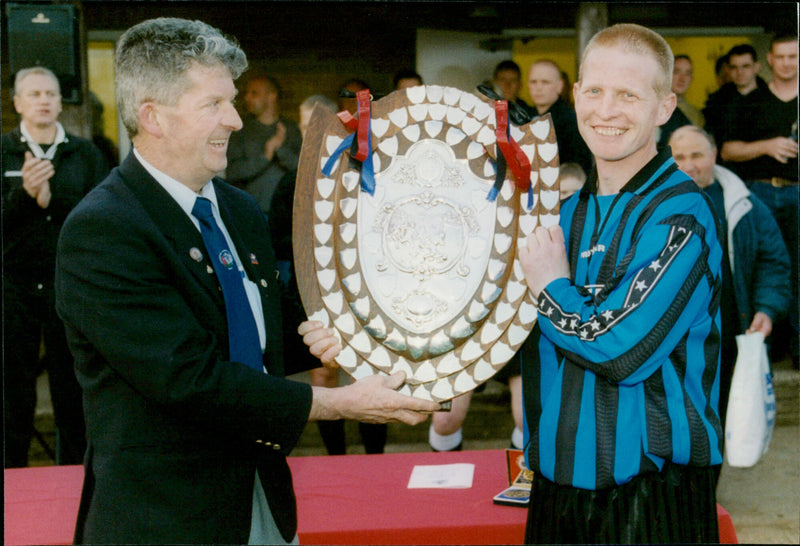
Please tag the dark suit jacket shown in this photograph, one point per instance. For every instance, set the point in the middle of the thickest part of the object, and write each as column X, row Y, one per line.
column 30, row 232
column 175, row 430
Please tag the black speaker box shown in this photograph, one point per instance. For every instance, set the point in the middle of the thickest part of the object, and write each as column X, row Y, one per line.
column 46, row 35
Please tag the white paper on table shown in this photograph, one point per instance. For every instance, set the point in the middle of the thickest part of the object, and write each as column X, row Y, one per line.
column 442, row 476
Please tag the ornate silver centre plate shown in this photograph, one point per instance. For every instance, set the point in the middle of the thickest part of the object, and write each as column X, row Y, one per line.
column 422, row 275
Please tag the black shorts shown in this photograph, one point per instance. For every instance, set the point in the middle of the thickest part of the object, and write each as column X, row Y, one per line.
column 676, row 505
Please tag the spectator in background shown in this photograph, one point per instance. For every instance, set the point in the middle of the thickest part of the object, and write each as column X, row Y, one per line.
column 762, row 141
column 347, row 94
column 46, row 171
column 307, row 108
column 406, row 78
column 545, row 85
column 681, row 82
column 743, row 67
column 571, row 178
column 268, row 145
column 99, row 138
column 681, row 79
column 507, row 81
column 566, row 93
column 722, row 71
column 761, row 147
column 714, row 109
column 755, row 266
column 721, row 108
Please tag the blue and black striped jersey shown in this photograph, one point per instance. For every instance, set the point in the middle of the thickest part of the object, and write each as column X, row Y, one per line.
column 625, row 370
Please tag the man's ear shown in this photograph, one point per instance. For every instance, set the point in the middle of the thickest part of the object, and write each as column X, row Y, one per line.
column 150, row 119
column 665, row 109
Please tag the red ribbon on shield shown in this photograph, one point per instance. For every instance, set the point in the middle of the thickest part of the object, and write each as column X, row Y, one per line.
column 513, row 154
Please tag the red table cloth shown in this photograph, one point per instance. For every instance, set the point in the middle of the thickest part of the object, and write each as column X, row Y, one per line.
column 352, row 499
column 364, row 499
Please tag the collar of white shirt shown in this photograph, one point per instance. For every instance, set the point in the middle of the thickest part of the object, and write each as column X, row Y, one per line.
column 180, row 192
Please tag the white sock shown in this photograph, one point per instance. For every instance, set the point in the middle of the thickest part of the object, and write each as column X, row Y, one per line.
column 517, row 438
column 444, row 442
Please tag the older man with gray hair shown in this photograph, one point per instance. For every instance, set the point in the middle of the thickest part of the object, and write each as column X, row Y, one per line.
column 166, row 283
column 755, row 266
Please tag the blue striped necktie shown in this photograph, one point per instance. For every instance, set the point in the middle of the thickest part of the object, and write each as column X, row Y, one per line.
column 245, row 346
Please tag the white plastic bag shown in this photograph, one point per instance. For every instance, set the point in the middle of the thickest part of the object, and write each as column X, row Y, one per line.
column 751, row 404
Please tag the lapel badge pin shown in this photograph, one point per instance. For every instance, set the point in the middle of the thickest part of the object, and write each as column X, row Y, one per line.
column 195, row 253
column 253, row 259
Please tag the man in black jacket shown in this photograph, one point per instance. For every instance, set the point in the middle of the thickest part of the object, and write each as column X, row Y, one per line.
column 167, row 285
column 46, row 171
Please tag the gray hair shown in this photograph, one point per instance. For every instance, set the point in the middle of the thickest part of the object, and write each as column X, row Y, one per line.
column 680, row 131
column 25, row 72
column 152, row 59
column 322, row 100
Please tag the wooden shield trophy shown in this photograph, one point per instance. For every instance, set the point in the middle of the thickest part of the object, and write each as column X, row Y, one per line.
column 406, row 225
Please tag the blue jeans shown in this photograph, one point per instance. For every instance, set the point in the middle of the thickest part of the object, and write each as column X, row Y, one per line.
column 783, row 202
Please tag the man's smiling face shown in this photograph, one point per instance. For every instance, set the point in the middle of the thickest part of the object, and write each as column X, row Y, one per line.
column 617, row 106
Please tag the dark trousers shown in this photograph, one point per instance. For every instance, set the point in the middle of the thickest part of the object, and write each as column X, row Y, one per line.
column 677, row 505
column 29, row 318
column 333, row 436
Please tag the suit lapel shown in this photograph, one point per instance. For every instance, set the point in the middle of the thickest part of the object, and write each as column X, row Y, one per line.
column 172, row 222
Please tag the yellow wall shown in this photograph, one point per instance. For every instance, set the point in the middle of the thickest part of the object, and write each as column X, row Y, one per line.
column 101, row 82
column 703, row 50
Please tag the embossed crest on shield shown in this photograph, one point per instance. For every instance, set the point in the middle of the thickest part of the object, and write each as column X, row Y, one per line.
column 421, row 275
